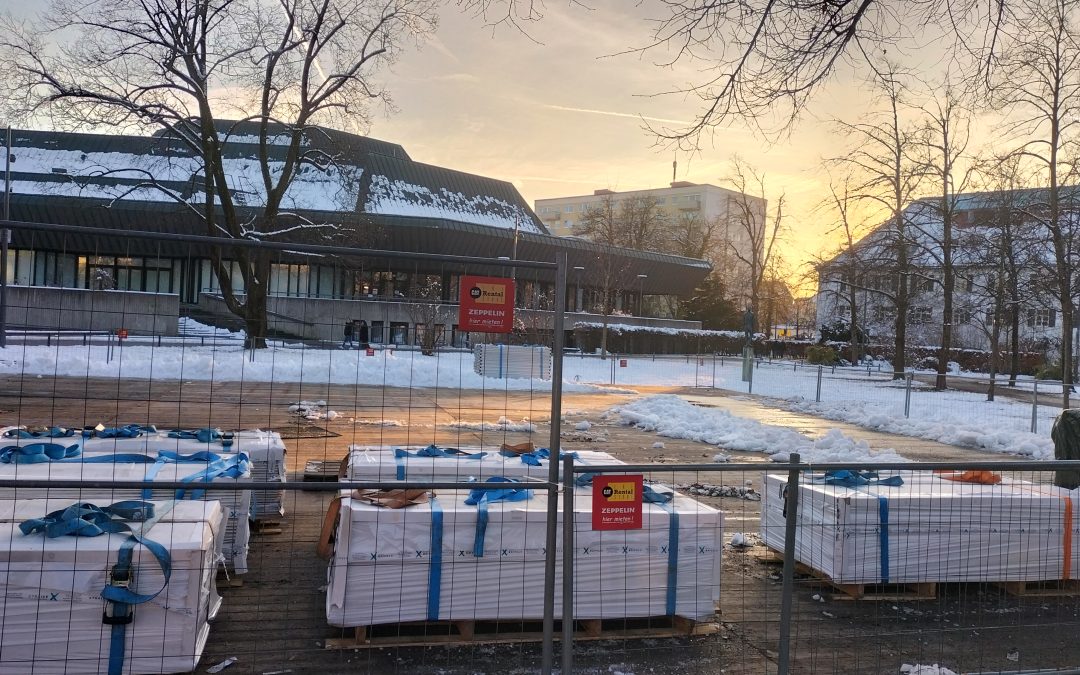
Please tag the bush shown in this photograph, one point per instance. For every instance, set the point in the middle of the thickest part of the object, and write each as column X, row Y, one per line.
column 822, row 355
column 1048, row 371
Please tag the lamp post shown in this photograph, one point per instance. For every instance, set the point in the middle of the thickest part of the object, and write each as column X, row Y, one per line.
column 578, row 269
column 640, row 289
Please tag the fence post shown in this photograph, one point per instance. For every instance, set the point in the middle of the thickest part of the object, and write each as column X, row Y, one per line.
column 817, row 396
column 1035, row 409
column 568, row 565
column 791, row 504
column 714, row 370
column 551, row 535
column 907, row 394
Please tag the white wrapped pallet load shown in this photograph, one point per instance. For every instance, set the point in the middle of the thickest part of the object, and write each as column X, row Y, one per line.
column 918, row 527
column 512, row 361
column 211, row 512
column 450, row 464
column 52, row 461
column 265, row 450
column 462, row 556
column 130, row 594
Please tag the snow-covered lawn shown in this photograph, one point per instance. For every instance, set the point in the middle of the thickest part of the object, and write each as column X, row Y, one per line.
column 851, row 395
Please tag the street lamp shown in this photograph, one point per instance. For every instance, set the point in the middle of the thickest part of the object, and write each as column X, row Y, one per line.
column 640, row 298
column 577, row 287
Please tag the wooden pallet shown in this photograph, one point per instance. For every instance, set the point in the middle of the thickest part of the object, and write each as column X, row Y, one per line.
column 434, row 633
column 1061, row 588
column 880, row 592
column 322, row 470
column 266, row 527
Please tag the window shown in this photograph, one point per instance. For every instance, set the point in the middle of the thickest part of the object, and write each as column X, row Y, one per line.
column 882, row 314
column 961, row 315
column 923, row 284
column 569, row 208
column 1041, row 318
column 919, row 315
column 660, row 201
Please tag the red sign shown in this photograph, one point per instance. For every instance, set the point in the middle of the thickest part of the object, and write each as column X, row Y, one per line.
column 370, row 352
column 487, row 305
column 616, row 502
column 122, row 333
column 622, row 363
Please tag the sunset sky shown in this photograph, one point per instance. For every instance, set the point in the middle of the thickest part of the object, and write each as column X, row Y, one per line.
column 555, row 117
column 556, row 112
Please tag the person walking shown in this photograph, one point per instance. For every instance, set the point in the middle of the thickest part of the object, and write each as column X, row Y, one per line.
column 350, row 332
column 364, row 335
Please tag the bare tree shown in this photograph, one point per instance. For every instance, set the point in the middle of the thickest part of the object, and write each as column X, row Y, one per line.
column 427, row 310
column 765, row 59
column 943, row 144
column 847, row 263
column 887, row 178
column 180, row 66
column 1039, row 82
column 748, row 214
column 634, row 222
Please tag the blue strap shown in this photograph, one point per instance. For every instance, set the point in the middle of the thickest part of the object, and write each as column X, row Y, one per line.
column 534, row 458
column 126, row 431
column 231, row 467
column 118, row 589
column 435, row 561
column 36, row 453
column 51, row 432
column 401, row 456
column 205, row 435
column 481, row 498
column 88, row 520
column 673, row 549
column 883, row 537
column 852, row 479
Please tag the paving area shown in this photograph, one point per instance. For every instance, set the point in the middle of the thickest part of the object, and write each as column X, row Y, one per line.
column 274, row 621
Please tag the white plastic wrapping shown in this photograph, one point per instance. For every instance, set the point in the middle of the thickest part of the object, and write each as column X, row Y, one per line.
column 52, row 613
column 379, row 463
column 928, row 530
column 236, row 503
column 382, row 570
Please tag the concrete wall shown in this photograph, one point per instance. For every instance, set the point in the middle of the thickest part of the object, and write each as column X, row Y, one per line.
column 48, row 308
column 324, row 319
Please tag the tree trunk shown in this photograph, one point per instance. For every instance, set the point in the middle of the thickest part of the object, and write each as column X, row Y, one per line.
column 255, row 302
column 940, row 382
column 853, row 332
column 1014, row 344
column 255, row 318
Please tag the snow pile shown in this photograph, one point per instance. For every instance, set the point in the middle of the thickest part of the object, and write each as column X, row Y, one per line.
column 504, row 424
column 189, row 327
column 313, row 410
column 919, row 669
column 584, row 425
column 380, row 423
column 673, row 417
column 942, row 426
column 398, row 198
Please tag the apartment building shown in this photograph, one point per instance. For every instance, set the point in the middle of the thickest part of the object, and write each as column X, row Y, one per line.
column 733, row 237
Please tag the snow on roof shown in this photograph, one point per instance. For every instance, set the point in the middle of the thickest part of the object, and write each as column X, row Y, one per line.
column 397, row 197
column 171, row 177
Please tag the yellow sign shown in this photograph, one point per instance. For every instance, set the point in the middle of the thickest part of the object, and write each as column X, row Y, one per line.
column 489, row 294
column 620, row 492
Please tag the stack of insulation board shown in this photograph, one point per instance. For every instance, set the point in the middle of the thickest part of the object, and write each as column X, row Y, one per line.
column 381, row 463
column 386, row 569
column 235, row 502
column 512, row 361
column 52, row 609
column 927, row 530
column 265, row 449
